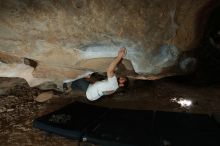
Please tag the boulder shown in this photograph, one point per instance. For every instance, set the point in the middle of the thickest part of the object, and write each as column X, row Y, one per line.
column 45, row 96
column 52, row 41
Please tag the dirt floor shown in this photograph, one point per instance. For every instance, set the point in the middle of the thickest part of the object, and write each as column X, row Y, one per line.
column 18, row 107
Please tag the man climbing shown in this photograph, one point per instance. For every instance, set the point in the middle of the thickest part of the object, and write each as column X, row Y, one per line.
column 108, row 86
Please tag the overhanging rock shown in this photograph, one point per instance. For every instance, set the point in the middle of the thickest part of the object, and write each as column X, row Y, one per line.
column 63, row 40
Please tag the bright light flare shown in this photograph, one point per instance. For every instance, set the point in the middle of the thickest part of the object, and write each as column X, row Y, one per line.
column 186, row 103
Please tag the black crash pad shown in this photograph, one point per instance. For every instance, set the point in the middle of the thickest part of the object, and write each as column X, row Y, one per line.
column 123, row 127
column 184, row 129
column 70, row 121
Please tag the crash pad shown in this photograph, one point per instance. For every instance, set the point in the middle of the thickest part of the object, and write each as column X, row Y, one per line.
column 71, row 120
column 126, row 127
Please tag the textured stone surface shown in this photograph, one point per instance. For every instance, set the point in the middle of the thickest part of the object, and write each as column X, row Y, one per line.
column 68, row 38
column 43, row 97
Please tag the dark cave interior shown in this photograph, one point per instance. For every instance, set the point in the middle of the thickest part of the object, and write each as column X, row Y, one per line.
column 208, row 51
column 202, row 85
column 208, row 55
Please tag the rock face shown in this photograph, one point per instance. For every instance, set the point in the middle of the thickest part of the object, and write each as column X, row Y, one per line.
column 52, row 41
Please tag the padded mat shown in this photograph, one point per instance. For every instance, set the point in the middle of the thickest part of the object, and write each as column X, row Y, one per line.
column 123, row 127
column 70, row 121
column 184, row 129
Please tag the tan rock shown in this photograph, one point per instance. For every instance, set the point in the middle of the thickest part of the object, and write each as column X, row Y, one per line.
column 45, row 96
column 66, row 39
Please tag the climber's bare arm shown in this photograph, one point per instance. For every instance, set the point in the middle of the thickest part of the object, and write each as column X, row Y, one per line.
column 114, row 63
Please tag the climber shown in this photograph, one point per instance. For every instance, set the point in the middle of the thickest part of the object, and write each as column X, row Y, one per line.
column 108, row 86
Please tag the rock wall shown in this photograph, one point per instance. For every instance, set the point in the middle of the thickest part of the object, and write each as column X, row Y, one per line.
column 64, row 37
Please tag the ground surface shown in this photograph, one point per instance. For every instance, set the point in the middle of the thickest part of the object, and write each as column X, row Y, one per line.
column 18, row 107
